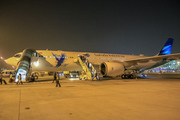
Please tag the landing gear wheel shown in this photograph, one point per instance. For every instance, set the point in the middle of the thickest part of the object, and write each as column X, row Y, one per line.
column 123, row 76
column 126, row 76
column 131, row 76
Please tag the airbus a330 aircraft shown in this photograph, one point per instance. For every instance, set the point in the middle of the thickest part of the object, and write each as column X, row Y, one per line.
column 126, row 66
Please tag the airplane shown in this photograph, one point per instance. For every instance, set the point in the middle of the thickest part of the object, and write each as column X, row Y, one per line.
column 126, row 66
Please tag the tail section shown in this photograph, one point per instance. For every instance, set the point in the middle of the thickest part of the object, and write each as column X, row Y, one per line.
column 166, row 50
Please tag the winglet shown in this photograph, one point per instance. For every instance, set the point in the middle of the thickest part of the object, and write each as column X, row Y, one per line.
column 166, row 50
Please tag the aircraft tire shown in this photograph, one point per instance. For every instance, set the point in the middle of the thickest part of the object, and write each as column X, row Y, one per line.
column 126, row 76
column 123, row 76
column 131, row 76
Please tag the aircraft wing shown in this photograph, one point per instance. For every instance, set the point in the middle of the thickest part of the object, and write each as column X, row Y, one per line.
column 169, row 57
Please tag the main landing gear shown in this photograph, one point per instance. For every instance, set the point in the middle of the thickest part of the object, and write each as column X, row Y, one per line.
column 127, row 76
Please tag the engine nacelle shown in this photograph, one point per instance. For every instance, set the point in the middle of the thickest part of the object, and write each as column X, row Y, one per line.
column 112, row 69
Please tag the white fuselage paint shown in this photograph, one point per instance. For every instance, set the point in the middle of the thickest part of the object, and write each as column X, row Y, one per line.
column 70, row 65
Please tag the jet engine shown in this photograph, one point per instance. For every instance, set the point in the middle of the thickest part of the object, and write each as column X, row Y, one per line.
column 112, row 69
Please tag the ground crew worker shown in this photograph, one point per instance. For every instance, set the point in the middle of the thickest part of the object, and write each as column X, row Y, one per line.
column 97, row 76
column 87, row 63
column 80, row 57
column 90, row 68
column 19, row 80
column 11, row 78
column 57, row 77
column 54, row 77
column 93, row 76
column 35, row 75
column 83, row 59
column 32, row 77
column 1, row 79
column 57, row 80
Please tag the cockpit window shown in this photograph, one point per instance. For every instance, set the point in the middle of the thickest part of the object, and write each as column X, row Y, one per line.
column 17, row 55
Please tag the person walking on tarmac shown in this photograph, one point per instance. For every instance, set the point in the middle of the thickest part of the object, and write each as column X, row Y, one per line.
column 57, row 80
column 1, row 79
column 97, row 76
column 11, row 78
column 55, row 77
column 19, row 80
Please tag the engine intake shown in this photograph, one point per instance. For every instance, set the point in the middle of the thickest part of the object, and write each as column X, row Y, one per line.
column 112, row 69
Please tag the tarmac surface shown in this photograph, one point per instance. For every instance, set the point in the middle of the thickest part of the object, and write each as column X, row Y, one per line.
column 108, row 99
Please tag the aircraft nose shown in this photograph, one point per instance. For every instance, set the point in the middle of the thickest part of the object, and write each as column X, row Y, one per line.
column 7, row 61
column 10, row 61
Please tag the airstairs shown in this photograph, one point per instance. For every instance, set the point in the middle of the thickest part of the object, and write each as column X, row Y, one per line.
column 88, row 73
column 24, row 64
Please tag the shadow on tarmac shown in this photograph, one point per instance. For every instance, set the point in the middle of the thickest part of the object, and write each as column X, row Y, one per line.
column 41, row 80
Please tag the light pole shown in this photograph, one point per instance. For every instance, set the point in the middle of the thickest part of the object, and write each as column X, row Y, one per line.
column 178, row 65
column 3, row 61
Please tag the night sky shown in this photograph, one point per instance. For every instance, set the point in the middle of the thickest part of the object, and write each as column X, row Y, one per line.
column 107, row 26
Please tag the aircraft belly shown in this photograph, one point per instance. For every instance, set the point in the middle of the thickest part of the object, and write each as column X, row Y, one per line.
column 144, row 65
